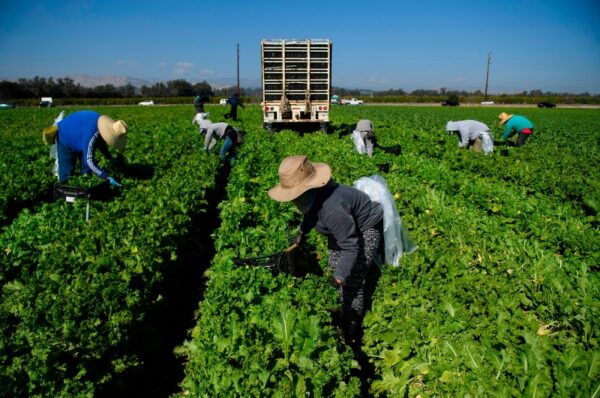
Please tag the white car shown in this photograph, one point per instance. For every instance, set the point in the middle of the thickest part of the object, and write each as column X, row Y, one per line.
column 354, row 101
column 146, row 103
column 223, row 101
column 487, row 103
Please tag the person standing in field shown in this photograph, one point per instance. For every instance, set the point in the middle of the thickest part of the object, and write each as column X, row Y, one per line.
column 199, row 103
column 469, row 133
column 352, row 223
column 516, row 124
column 77, row 138
column 234, row 101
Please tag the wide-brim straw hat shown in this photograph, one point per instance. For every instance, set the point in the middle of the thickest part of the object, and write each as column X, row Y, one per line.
column 113, row 133
column 504, row 117
column 297, row 175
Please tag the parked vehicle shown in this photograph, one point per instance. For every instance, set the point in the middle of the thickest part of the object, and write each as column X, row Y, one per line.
column 354, row 101
column 296, row 81
column 46, row 102
column 451, row 101
column 546, row 104
column 487, row 103
column 146, row 103
column 335, row 100
column 223, row 101
column 6, row 106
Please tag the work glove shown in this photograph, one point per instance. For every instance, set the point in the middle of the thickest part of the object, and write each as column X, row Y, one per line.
column 114, row 182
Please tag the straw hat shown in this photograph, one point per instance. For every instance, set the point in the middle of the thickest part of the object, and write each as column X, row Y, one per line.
column 504, row 117
column 297, row 175
column 113, row 133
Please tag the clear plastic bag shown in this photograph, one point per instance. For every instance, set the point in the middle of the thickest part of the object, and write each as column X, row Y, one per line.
column 359, row 143
column 488, row 142
column 396, row 240
column 54, row 155
column 53, row 148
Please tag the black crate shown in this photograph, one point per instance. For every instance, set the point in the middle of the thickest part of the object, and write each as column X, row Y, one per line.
column 70, row 193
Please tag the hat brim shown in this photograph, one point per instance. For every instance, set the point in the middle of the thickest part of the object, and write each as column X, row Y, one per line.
column 320, row 179
column 502, row 121
column 105, row 127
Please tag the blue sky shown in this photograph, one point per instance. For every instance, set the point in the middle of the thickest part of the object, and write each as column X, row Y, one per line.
column 535, row 44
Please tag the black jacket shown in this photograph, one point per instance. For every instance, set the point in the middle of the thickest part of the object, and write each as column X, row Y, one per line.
column 342, row 213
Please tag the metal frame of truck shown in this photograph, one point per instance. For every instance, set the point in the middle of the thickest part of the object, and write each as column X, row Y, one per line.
column 296, row 83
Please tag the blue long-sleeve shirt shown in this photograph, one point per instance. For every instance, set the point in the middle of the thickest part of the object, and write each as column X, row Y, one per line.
column 234, row 101
column 79, row 132
column 515, row 124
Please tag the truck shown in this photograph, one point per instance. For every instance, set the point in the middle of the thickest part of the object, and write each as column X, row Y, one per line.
column 46, row 102
column 296, row 83
column 353, row 101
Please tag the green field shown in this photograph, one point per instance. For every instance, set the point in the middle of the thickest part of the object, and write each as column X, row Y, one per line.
column 502, row 298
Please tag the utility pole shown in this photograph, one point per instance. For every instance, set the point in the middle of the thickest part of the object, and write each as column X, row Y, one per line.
column 487, row 75
column 239, row 69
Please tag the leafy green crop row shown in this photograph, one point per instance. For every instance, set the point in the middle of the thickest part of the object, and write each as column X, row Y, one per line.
column 23, row 155
column 260, row 335
column 502, row 296
column 75, row 294
column 500, row 299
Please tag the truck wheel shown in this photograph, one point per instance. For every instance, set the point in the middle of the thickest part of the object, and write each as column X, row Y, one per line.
column 324, row 127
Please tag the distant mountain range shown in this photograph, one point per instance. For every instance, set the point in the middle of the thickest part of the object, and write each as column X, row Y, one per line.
column 93, row 81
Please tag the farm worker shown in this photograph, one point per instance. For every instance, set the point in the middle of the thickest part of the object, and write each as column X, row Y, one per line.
column 234, row 101
column 214, row 132
column 352, row 223
column 364, row 130
column 199, row 103
column 233, row 139
column 516, row 124
column 80, row 134
column 201, row 120
column 469, row 133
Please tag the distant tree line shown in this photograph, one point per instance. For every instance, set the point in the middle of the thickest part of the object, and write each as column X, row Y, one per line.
column 66, row 88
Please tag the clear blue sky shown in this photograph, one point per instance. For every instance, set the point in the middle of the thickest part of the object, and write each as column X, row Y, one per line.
column 535, row 44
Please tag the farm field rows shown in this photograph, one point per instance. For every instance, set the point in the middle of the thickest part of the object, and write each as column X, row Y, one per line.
column 500, row 299
column 80, row 301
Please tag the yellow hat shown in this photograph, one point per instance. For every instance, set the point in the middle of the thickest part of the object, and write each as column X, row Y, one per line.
column 113, row 133
column 504, row 117
column 49, row 134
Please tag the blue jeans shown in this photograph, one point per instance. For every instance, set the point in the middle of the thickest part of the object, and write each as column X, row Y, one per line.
column 67, row 160
column 225, row 149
